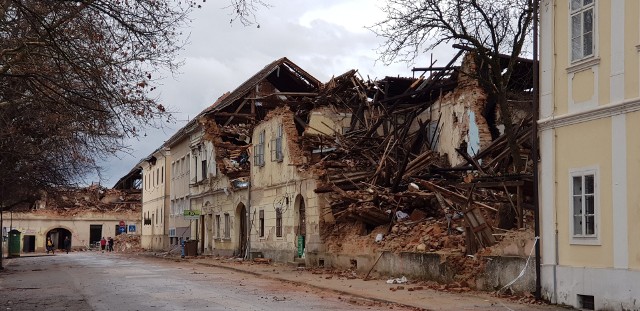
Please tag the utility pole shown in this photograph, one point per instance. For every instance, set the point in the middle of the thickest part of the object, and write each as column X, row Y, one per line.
column 1, row 235
column 534, row 149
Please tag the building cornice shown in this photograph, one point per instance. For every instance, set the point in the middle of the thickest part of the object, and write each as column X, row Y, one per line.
column 590, row 115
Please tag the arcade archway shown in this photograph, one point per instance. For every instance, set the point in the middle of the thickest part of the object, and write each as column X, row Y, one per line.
column 57, row 235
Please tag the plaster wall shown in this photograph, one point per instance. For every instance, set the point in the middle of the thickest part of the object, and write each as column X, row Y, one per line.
column 572, row 142
column 179, row 194
column 590, row 117
column 460, row 117
column 156, row 178
column 498, row 270
column 79, row 225
column 633, row 182
column 612, row 289
column 279, row 185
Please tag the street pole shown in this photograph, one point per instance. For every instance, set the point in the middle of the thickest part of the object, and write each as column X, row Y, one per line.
column 1, row 235
column 534, row 150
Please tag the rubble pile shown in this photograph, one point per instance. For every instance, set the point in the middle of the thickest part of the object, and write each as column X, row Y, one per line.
column 232, row 144
column 127, row 243
column 388, row 184
column 396, row 157
column 70, row 201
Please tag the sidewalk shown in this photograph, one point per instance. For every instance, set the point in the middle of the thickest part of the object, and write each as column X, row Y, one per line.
column 410, row 294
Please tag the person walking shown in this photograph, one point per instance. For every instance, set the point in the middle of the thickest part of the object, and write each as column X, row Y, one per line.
column 67, row 244
column 103, row 243
column 50, row 246
column 110, row 244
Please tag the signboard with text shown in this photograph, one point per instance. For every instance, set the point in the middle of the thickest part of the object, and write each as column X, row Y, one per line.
column 191, row 214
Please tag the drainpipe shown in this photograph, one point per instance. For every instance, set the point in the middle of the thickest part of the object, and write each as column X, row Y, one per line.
column 534, row 148
column 248, row 217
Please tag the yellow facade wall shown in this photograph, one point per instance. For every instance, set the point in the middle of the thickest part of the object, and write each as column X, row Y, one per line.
column 633, row 180
column 603, row 49
column 631, row 56
column 577, row 148
column 561, row 58
column 582, row 85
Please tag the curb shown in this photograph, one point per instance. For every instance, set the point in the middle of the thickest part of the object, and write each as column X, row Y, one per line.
column 337, row 291
column 266, row 276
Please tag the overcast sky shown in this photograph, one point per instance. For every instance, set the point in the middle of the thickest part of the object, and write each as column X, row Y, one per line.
column 325, row 38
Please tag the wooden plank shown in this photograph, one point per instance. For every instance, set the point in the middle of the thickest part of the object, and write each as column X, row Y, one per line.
column 236, row 111
column 454, row 196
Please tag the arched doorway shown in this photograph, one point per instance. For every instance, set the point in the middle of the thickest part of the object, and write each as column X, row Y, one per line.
column 302, row 225
column 241, row 215
column 57, row 236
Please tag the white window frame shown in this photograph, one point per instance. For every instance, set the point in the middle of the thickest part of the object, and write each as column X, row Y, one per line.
column 582, row 238
column 578, row 9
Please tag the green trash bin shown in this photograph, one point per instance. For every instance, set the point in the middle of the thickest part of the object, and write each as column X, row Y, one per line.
column 300, row 246
column 14, row 243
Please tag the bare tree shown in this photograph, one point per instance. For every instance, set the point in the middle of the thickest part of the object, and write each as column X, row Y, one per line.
column 74, row 80
column 244, row 11
column 75, row 77
column 487, row 27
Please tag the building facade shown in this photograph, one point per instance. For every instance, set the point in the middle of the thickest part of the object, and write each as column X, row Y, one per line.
column 179, row 227
column 590, row 153
column 285, row 213
column 84, row 215
column 156, row 176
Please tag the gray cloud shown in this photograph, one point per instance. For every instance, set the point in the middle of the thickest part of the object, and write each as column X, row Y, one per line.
column 220, row 56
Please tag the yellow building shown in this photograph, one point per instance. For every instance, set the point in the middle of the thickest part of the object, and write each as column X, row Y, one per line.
column 179, row 227
column 156, row 176
column 590, row 153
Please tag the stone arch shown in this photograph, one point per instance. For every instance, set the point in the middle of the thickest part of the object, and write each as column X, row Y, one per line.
column 241, row 226
column 301, row 224
column 58, row 234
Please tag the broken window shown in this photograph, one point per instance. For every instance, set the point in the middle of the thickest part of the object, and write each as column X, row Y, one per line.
column 582, row 25
column 204, row 169
column 227, row 227
column 584, row 204
column 258, row 151
column 432, row 135
column 218, row 227
column 261, row 223
column 276, row 146
column 194, row 178
column 278, row 222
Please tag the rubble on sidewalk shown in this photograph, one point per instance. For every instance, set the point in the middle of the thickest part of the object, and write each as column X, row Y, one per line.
column 418, row 164
column 407, row 151
column 127, row 243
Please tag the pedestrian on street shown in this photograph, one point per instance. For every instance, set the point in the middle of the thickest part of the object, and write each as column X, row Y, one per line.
column 67, row 244
column 110, row 243
column 50, row 246
column 103, row 243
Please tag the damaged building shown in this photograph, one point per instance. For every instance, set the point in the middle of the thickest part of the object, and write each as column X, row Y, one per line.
column 377, row 176
column 85, row 215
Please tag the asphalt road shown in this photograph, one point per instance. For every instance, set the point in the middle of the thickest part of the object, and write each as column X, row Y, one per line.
column 109, row 281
